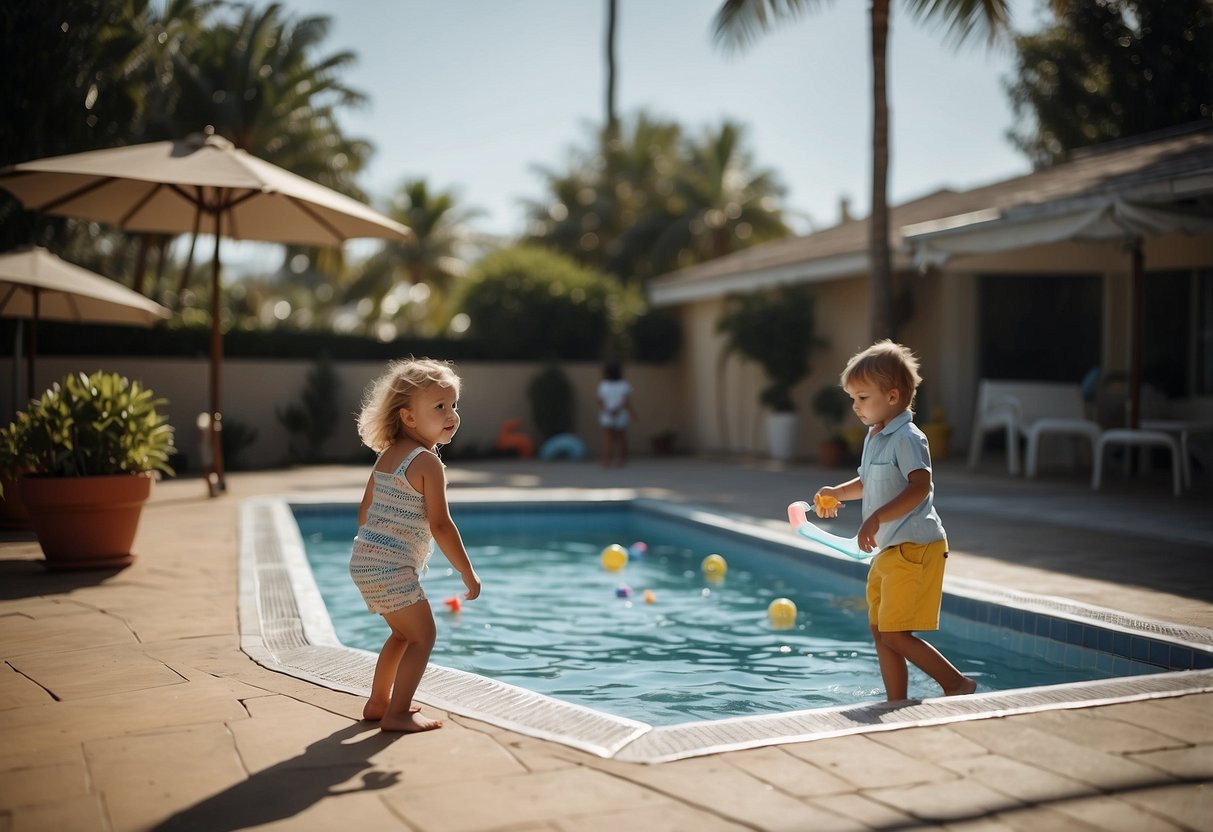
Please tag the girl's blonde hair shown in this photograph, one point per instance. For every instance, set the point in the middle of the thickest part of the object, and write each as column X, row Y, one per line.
column 379, row 424
column 888, row 365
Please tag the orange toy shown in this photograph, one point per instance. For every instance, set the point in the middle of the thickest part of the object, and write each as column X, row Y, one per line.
column 510, row 438
column 454, row 603
column 824, row 502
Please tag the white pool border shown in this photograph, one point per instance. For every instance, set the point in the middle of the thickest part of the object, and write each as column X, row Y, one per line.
column 285, row 627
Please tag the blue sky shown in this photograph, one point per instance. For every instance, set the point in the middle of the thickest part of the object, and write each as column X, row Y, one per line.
column 473, row 94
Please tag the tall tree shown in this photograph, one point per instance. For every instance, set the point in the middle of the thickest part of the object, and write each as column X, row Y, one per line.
column 739, row 22
column 433, row 259
column 612, row 69
column 723, row 202
column 1104, row 71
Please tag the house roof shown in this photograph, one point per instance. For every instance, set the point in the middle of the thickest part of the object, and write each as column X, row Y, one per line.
column 1167, row 166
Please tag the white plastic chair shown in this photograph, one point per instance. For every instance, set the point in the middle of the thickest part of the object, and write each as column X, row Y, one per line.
column 1136, row 438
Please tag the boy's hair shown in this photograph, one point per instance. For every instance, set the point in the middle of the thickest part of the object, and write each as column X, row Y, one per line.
column 379, row 424
column 889, row 366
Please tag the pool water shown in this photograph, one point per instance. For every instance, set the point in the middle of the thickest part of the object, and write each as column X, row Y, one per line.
column 552, row 620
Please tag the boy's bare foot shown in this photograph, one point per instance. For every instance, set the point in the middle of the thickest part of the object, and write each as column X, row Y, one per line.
column 963, row 689
column 374, row 711
column 411, row 723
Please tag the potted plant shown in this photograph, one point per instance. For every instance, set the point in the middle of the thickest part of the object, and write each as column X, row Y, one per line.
column 832, row 403
column 12, row 511
column 87, row 451
column 775, row 328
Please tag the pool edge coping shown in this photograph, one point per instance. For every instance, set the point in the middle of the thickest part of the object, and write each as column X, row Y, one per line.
column 285, row 627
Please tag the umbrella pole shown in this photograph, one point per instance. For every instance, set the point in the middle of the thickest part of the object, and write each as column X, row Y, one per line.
column 215, row 479
column 1135, row 327
column 33, row 345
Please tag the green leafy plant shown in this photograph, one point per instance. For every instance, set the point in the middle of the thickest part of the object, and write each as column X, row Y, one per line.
column 552, row 403
column 776, row 329
column 89, row 425
column 315, row 417
column 832, row 403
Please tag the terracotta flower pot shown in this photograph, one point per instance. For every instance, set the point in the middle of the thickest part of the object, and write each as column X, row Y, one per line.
column 12, row 511
column 86, row 522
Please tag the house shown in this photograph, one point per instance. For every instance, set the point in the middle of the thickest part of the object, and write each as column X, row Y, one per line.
column 1029, row 278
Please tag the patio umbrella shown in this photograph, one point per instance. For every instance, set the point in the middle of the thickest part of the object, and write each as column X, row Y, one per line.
column 203, row 185
column 37, row 285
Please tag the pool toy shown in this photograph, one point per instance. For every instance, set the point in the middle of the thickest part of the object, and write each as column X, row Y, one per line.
column 782, row 612
column 650, row 597
column 824, row 502
column 512, row 438
column 454, row 603
column 562, row 446
column 849, row 546
column 614, row 558
column 638, row 549
column 623, row 591
column 714, row 567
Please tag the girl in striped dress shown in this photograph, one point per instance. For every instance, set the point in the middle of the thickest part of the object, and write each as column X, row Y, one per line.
column 406, row 415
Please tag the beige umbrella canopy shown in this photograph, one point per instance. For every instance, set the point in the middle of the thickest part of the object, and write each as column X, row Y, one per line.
column 202, row 184
column 37, row 285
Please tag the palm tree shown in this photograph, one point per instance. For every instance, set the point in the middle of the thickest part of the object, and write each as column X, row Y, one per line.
column 723, row 203
column 433, row 259
column 258, row 82
column 737, row 25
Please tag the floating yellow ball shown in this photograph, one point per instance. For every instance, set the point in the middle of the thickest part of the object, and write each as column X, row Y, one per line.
column 782, row 613
column 614, row 558
column 650, row 597
column 714, row 567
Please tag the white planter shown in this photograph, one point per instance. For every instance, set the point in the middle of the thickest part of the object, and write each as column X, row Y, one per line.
column 781, row 435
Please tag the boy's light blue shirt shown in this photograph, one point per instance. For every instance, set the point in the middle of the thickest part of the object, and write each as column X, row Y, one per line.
column 884, row 469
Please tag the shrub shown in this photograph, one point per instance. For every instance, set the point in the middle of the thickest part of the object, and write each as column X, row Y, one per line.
column 532, row 303
column 552, row 402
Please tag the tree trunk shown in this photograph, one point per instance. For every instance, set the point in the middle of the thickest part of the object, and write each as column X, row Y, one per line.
column 612, row 120
column 880, row 268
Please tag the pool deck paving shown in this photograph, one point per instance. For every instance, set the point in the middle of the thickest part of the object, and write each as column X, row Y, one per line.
column 127, row 704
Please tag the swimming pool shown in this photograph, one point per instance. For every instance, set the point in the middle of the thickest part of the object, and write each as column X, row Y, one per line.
column 286, row 626
column 553, row 621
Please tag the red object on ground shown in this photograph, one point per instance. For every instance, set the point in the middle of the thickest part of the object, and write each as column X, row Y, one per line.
column 454, row 602
column 510, row 438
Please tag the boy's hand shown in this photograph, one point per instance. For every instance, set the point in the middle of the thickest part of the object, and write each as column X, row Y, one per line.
column 867, row 533
column 472, row 581
column 825, row 503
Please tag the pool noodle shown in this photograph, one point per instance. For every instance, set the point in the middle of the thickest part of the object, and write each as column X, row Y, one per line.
column 849, row 546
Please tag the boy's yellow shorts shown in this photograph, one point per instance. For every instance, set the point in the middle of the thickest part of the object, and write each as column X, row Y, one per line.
column 905, row 586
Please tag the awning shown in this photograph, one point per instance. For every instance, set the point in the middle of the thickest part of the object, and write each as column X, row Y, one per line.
column 1088, row 219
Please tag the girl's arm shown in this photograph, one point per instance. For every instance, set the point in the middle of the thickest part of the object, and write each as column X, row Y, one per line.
column 917, row 490
column 442, row 527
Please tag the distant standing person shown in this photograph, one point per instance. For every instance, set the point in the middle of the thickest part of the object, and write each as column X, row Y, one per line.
column 615, row 413
column 905, row 580
column 407, row 414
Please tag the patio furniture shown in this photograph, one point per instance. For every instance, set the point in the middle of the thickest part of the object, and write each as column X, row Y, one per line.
column 1031, row 409
column 1143, row 439
column 1184, row 428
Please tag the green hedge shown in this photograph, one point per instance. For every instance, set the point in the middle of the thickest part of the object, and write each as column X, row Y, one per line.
column 194, row 342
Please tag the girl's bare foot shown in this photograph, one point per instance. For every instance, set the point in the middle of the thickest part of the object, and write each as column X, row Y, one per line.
column 411, row 723
column 374, row 711
column 964, row 688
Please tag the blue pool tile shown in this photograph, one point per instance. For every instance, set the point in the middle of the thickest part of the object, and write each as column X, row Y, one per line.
column 1160, row 654
column 1139, row 649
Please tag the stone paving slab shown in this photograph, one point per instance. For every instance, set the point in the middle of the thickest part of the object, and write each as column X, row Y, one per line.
column 147, row 777
column 79, row 674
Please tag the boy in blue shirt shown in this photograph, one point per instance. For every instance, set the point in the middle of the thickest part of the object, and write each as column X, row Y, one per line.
column 905, row 581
